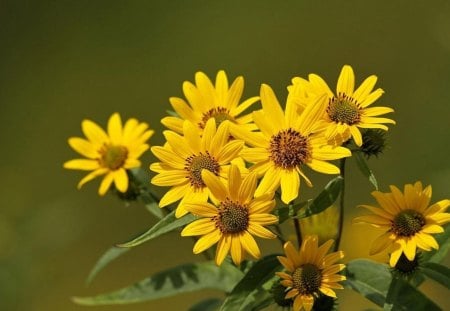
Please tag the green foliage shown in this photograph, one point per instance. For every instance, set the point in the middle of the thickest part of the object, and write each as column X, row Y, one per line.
column 165, row 225
column 325, row 199
column 369, row 278
column 104, row 260
column 252, row 292
column 437, row 272
column 181, row 279
column 211, row 304
column 364, row 168
column 403, row 296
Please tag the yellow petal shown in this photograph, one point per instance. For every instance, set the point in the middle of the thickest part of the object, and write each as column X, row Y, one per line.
column 292, row 253
column 206, row 241
column 170, row 178
column 371, row 98
column 330, row 153
column 356, row 134
column 115, row 129
column 327, row 291
column 264, row 219
column 263, row 204
column 247, row 188
column 82, row 164
column 222, row 249
column 271, row 106
column 365, row 88
column 395, row 255
column 182, row 108
column 121, row 180
column 381, row 243
column 270, row 181
column 178, row 144
column 168, row 157
column 191, row 135
column 199, row 227
column 215, row 185
column 94, row 133
column 260, row 231
column 173, row 123
column 376, row 111
column 84, row 147
column 105, row 184
column 323, row 167
column 91, row 176
column 236, row 249
column 346, row 81
column 234, row 182
column 312, row 114
column 201, row 209
column 229, row 152
column 250, row 246
column 174, row 194
column 290, row 185
column 287, row 264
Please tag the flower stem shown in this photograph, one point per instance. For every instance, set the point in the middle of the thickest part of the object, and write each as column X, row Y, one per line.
column 298, row 231
column 341, row 205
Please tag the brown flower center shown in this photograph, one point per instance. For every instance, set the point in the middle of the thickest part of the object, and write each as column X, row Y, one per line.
column 307, row 279
column 407, row 223
column 344, row 109
column 232, row 218
column 113, row 157
column 220, row 114
column 196, row 163
column 289, row 149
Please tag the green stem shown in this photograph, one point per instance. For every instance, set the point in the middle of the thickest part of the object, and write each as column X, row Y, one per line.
column 279, row 234
column 298, row 231
column 341, row 205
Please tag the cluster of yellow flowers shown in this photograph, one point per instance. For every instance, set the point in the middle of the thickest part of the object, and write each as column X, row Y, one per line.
column 224, row 165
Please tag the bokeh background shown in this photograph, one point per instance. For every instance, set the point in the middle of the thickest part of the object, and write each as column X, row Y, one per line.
column 63, row 61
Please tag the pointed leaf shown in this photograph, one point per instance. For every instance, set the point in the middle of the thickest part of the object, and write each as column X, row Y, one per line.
column 364, row 168
column 165, row 225
column 325, row 199
column 251, row 293
column 437, row 272
column 368, row 278
column 111, row 254
column 182, row 279
column 403, row 296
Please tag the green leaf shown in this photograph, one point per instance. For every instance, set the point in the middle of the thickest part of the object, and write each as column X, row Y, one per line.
column 252, row 292
column 288, row 211
column 437, row 272
column 364, row 168
column 211, row 304
column 369, row 278
column 443, row 239
column 325, row 199
column 104, row 260
column 403, row 296
column 152, row 207
column 167, row 224
column 182, row 279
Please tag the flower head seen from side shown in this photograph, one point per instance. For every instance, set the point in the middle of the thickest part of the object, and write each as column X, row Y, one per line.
column 206, row 101
column 184, row 157
column 235, row 216
column 287, row 141
column 110, row 153
column 407, row 220
column 348, row 109
column 310, row 271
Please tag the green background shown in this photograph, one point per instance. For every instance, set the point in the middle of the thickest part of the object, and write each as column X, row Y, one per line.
column 63, row 61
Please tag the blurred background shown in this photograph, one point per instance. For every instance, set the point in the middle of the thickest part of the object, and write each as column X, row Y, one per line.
column 63, row 61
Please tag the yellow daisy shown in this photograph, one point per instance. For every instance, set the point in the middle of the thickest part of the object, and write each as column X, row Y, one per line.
column 184, row 157
column 205, row 101
column 347, row 110
column 310, row 271
column 111, row 153
column 407, row 220
column 235, row 216
column 287, row 142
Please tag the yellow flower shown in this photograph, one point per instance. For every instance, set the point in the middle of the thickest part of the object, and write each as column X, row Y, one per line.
column 205, row 101
column 111, row 153
column 287, row 142
column 310, row 271
column 347, row 110
column 235, row 216
column 184, row 157
column 407, row 220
